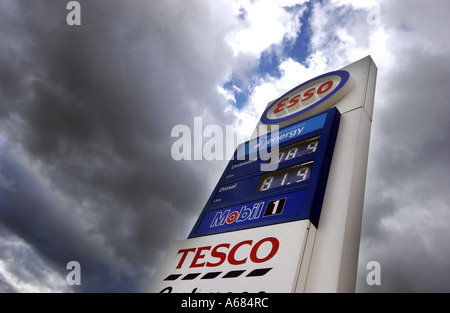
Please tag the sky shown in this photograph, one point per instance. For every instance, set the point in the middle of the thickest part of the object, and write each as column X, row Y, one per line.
column 87, row 112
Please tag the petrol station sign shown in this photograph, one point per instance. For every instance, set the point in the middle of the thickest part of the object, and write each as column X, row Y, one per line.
column 259, row 230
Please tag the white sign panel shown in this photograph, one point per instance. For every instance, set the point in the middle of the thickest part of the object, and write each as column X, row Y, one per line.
column 264, row 259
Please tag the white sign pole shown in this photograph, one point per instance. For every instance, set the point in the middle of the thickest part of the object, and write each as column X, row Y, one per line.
column 334, row 258
column 292, row 256
column 334, row 252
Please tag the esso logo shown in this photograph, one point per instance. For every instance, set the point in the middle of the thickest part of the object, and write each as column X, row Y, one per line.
column 317, row 94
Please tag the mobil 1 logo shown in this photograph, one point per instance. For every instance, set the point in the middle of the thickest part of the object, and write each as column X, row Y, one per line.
column 260, row 212
column 274, row 207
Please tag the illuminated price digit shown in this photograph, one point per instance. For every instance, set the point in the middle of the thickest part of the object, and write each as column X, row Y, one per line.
column 266, row 184
column 291, row 154
column 303, row 174
column 284, row 179
column 312, row 146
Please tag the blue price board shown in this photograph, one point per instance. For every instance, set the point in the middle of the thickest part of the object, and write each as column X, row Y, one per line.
column 256, row 190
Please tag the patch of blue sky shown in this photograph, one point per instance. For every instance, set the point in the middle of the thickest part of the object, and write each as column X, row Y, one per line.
column 270, row 60
column 239, row 91
column 299, row 49
column 269, row 64
column 242, row 14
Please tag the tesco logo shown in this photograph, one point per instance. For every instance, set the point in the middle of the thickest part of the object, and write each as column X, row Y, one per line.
column 209, row 256
column 316, row 95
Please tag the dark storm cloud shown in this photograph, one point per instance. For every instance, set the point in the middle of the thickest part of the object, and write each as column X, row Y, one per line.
column 406, row 214
column 53, row 235
column 91, row 108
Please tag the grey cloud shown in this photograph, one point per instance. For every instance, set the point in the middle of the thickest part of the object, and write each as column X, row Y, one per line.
column 405, row 224
column 91, row 108
column 406, row 215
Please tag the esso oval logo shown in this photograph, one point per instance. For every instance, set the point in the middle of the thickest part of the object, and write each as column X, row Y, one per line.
column 318, row 93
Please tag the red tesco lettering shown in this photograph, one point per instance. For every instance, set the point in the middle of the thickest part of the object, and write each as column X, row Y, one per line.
column 222, row 252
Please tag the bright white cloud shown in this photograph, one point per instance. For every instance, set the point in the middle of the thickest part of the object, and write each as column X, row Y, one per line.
column 261, row 25
column 227, row 94
column 291, row 3
column 356, row 3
